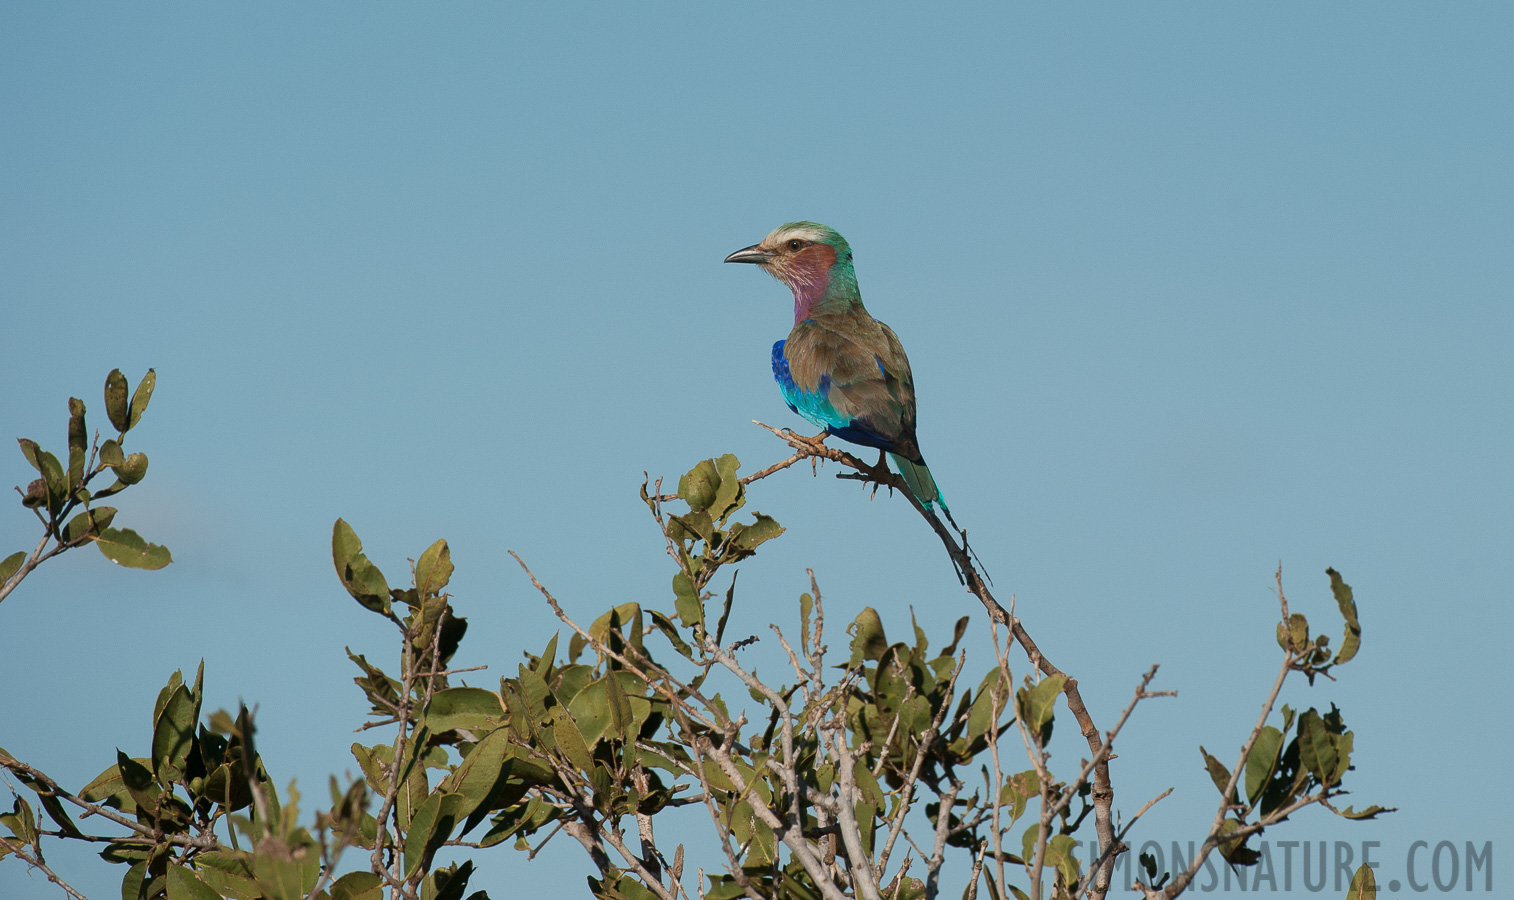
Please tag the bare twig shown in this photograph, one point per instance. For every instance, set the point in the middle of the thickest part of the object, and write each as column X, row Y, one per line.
column 1104, row 749
column 937, row 856
column 1180, row 882
column 864, row 879
column 923, row 747
column 1103, row 791
column 148, row 835
column 36, row 861
column 748, row 479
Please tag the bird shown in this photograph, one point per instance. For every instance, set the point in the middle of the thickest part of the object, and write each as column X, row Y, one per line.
column 840, row 368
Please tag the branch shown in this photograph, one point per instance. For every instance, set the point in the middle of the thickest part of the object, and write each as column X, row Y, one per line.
column 376, row 861
column 653, row 679
column 1103, row 754
column 20, row 851
column 755, row 476
column 1103, row 791
column 36, row 559
column 1214, row 839
column 923, row 746
column 937, row 856
column 199, row 842
column 1084, row 884
column 865, row 880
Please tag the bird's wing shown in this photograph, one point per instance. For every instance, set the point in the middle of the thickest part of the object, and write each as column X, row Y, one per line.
column 848, row 373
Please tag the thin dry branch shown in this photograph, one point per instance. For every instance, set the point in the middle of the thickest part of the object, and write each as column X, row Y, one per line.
column 973, row 580
column 36, row 861
column 748, row 479
column 923, row 745
column 147, row 834
column 1104, row 750
column 1180, row 882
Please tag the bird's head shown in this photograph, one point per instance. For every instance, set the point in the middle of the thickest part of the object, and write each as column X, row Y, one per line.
column 812, row 259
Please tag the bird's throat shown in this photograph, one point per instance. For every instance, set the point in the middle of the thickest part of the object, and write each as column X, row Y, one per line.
column 820, row 284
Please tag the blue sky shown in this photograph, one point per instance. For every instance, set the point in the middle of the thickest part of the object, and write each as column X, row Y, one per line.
column 1188, row 290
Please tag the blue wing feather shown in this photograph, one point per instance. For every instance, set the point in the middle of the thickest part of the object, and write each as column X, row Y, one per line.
column 816, row 407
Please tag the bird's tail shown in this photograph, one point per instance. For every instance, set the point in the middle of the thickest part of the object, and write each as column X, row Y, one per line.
column 922, row 484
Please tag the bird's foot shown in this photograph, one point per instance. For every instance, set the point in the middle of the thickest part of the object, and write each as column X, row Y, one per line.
column 877, row 474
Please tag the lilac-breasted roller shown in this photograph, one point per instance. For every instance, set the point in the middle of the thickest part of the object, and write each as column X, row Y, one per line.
column 840, row 368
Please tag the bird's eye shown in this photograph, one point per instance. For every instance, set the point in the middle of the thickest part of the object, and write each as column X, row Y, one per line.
column 796, row 244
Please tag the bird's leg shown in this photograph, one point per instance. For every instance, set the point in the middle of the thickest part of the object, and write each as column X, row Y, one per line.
column 816, row 441
column 877, row 473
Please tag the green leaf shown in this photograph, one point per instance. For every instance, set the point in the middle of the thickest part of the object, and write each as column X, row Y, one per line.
column 87, row 523
column 125, row 547
column 570, row 740
column 1347, row 604
column 763, row 528
column 278, row 872
column 109, row 788
column 78, row 443
column 227, row 786
column 30, row 449
column 698, row 487
column 463, row 707
column 1235, row 850
column 1370, row 812
column 1017, row 791
column 728, row 496
column 32, row 452
column 620, row 708
column 358, row 886
column 184, row 884
column 50, row 804
column 131, row 884
column 686, row 601
column 669, row 631
column 434, row 569
column 225, row 872
column 116, row 488
column 536, row 693
column 1363, row 885
column 116, row 408
column 1324, row 745
column 133, row 470
column 1316, row 748
column 111, row 455
column 1217, row 771
column 476, row 776
column 1262, row 760
column 11, row 564
column 173, row 732
column 625, row 619
column 590, row 709
column 55, row 479
column 136, row 778
column 430, row 826
column 867, row 786
column 1059, row 855
column 21, row 821
column 1298, row 634
column 981, row 715
column 449, row 883
column 1038, row 704
column 361, row 578
column 141, row 398
column 868, row 641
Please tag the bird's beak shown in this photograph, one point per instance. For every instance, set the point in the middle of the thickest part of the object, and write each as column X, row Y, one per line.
column 752, row 254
